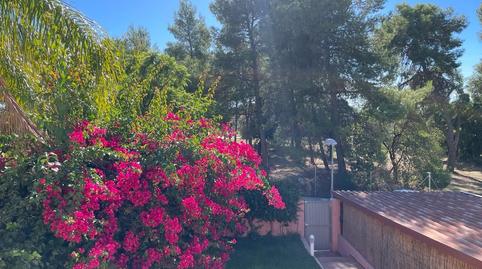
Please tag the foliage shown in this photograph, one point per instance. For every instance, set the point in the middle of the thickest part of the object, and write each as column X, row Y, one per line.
column 56, row 63
column 422, row 37
column 193, row 41
column 26, row 241
column 192, row 35
column 423, row 40
column 170, row 198
column 479, row 13
column 401, row 142
column 137, row 39
column 300, row 70
column 262, row 210
column 15, row 149
column 239, row 46
column 321, row 57
column 470, row 146
column 475, row 84
column 155, row 84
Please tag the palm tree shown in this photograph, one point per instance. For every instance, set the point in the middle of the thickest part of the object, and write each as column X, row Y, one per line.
column 48, row 38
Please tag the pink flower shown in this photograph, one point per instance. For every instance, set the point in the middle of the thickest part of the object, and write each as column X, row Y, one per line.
column 204, row 123
column 186, row 261
column 77, row 136
column 192, row 207
column 80, row 265
column 131, row 242
column 171, row 116
column 172, row 229
column 171, row 197
column 92, row 264
column 153, row 217
column 153, row 255
column 274, row 198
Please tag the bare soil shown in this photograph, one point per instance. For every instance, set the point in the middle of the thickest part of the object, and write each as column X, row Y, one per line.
column 287, row 164
column 467, row 178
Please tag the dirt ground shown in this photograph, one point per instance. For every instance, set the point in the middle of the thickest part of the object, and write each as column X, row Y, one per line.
column 467, row 178
column 286, row 164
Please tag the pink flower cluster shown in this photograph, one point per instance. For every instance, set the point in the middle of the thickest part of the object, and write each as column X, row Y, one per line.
column 150, row 202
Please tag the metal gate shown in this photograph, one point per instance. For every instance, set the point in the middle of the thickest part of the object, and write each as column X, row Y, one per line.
column 317, row 221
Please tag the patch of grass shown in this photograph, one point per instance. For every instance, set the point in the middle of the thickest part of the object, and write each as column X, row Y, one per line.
column 268, row 252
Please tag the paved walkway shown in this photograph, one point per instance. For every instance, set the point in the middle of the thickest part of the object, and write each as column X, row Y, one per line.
column 329, row 260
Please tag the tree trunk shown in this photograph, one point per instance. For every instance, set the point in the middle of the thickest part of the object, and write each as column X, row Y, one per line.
column 312, row 152
column 395, row 169
column 257, row 94
column 323, row 156
column 340, row 153
column 451, row 137
column 340, row 157
column 248, row 127
column 295, row 127
column 236, row 118
column 297, row 135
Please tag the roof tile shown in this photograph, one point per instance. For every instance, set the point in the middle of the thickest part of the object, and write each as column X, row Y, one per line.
column 453, row 219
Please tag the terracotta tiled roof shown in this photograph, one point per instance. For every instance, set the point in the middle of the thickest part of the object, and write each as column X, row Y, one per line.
column 449, row 220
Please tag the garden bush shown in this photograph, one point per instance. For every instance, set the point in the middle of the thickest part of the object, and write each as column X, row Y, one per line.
column 168, row 198
column 25, row 241
column 260, row 208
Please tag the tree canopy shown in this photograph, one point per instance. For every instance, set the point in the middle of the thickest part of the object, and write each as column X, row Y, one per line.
column 56, row 62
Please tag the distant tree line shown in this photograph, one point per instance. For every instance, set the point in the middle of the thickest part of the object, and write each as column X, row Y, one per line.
column 387, row 87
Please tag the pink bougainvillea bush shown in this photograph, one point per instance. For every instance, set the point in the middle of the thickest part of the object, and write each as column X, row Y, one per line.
column 168, row 198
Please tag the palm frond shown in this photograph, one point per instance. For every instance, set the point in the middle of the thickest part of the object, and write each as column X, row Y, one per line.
column 22, row 22
column 44, row 40
column 19, row 80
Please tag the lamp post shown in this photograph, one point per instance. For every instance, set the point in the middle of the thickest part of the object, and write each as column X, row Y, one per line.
column 331, row 142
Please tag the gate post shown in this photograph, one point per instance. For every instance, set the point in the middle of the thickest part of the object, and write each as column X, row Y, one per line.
column 301, row 217
column 335, row 223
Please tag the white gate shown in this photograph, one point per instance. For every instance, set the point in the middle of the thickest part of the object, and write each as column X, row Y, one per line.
column 317, row 221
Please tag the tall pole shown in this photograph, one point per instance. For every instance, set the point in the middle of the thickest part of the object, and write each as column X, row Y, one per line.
column 331, row 188
column 429, row 181
column 315, row 181
column 331, row 143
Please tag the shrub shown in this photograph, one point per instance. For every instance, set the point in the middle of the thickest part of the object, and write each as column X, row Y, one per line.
column 260, row 208
column 169, row 198
column 25, row 241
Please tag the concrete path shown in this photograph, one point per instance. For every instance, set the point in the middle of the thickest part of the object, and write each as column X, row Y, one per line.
column 329, row 260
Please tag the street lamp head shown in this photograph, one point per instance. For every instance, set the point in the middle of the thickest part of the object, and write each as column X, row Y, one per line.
column 330, row 142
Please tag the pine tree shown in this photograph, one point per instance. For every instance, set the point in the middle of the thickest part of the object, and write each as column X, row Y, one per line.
column 423, row 39
column 239, row 40
column 192, row 45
